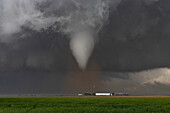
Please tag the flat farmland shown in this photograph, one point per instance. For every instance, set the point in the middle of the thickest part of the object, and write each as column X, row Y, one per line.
column 146, row 104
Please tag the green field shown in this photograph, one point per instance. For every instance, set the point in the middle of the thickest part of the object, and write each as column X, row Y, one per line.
column 84, row 105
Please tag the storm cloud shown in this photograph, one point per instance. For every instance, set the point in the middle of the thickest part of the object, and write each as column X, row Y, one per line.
column 133, row 38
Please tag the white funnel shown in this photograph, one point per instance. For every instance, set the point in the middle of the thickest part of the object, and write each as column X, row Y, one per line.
column 82, row 45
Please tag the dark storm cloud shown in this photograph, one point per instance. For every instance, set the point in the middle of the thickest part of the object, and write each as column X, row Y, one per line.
column 135, row 37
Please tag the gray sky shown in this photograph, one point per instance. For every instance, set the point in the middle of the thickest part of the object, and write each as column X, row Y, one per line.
column 131, row 53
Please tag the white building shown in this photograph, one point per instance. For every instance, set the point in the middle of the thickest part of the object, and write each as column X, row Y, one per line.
column 80, row 94
column 103, row 94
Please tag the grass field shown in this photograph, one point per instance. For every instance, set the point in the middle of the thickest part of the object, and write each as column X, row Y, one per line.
column 85, row 105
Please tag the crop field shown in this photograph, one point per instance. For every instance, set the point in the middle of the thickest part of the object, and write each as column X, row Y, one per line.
column 84, row 105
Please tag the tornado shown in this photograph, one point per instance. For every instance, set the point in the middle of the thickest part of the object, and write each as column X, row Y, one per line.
column 82, row 44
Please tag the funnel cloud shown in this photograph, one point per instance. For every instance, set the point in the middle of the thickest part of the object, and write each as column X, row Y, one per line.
column 82, row 45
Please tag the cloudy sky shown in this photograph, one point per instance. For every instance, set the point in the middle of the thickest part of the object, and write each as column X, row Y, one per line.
column 65, row 46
